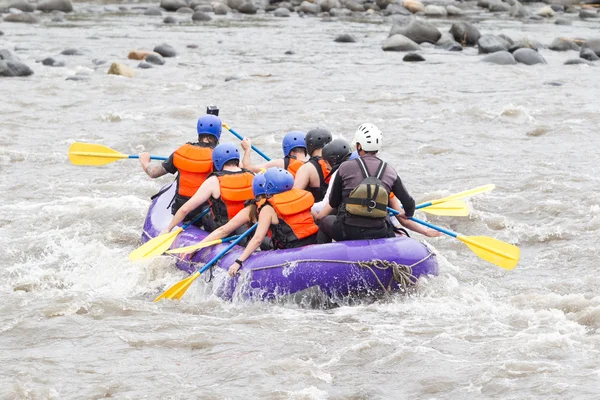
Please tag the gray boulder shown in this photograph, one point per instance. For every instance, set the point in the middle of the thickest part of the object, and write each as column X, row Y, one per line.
column 10, row 65
column 153, row 10
column 165, row 50
column 529, row 57
column 354, row 6
column 507, row 38
column 172, row 5
column 454, row 11
column 169, row 20
column 563, row 21
column 200, row 16
column 562, row 44
column 499, row 6
column 206, row 8
column 524, row 44
column 155, row 59
column 1, row 33
column 235, row 4
column 144, row 65
column 418, row 31
column 588, row 54
column 184, row 10
column 518, row 11
column 465, row 33
column 340, row 12
column 587, row 13
column 345, row 38
column 577, row 61
column 593, row 44
column 282, row 12
column 51, row 62
column 500, row 58
column 400, row 43
column 309, row 8
column 326, row 5
column 24, row 18
column 491, row 44
column 413, row 57
column 22, row 5
column 247, row 8
column 435, row 11
column 393, row 9
column 71, row 52
column 55, row 5
column 221, row 9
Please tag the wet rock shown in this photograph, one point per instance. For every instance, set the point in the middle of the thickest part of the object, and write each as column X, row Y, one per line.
column 247, row 8
column 518, row 11
column 120, row 69
column 413, row 57
column 545, row 12
column 24, row 18
column 78, row 78
column 325, row 5
column 500, row 58
column 138, row 54
column 563, row 21
column 587, row 13
column 454, row 11
column 154, row 58
column 170, row 20
column 282, row 12
column 235, row 4
column 55, row 5
column 383, row 4
column 200, row 16
column 523, row 44
column 221, row 9
column 418, row 31
column 507, row 38
column 309, row 8
column 452, row 46
column 340, row 12
column 414, row 6
column 492, row 44
column 400, row 43
column 588, row 54
column 592, row 44
column 345, row 38
column 165, row 50
column 144, row 65
column 184, row 10
column 435, row 11
column 206, row 8
column 96, row 61
column 483, row 3
column 1, row 33
column 51, row 62
column 354, row 6
column 289, row 52
column 396, row 9
column 576, row 61
column 536, row 18
column 528, row 57
column 153, row 11
column 562, row 44
column 498, row 6
column 172, row 5
column 71, row 52
column 10, row 65
column 58, row 18
column 192, row 46
column 22, row 5
column 465, row 33
column 557, row 7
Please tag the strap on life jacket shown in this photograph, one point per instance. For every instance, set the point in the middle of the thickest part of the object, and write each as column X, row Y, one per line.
column 292, row 165
column 324, row 177
column 369, row 198
column 194, row 164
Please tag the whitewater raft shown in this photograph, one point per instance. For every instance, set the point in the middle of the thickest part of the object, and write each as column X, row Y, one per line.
column 336, row 270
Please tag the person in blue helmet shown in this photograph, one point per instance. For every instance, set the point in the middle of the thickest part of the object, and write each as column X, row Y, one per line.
column 294, row 154
column 226, row 190
column 192, row 161
column 281, row 211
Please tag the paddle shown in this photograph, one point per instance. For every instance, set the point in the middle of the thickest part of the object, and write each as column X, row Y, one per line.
column 452, row 208
column 161, row 243
column 237, row 135
column 178, row 290
column 495, row 251
column 97, row 154
column 461, row 195
column 198, row 246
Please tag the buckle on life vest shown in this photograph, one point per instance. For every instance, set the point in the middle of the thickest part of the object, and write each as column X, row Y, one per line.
column 371, row 205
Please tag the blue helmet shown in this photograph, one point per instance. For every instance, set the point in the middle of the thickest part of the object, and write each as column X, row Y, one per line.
column 292, row 140
column 259, row 185
column 278, row 181
column 223, row 153
column 354, row 155
column 210, row 125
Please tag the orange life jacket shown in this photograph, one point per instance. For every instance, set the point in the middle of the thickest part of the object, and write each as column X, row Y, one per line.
column 324, row 178
column 295, row 220
column 194, row 164
column 236, row 188
column 292, row 165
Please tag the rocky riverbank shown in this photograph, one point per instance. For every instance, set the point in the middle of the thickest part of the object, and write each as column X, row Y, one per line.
column 415, row 26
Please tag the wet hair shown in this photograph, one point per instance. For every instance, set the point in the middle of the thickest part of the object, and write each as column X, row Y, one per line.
column 213, row 142
column 303, row 149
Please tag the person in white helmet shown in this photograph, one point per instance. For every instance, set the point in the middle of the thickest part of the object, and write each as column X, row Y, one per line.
column 360, row 192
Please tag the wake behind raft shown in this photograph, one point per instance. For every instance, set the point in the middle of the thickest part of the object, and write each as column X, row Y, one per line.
column 337, row 270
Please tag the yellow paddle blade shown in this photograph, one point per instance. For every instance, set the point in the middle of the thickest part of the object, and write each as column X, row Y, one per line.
column 194, row 247
column 495, row 251
column 466, row 193
column 155, row 246
column 93, row 154
column 452, row 208
column 178, row 290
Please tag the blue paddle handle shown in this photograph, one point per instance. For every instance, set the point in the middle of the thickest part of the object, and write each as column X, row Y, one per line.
column 237, row 135
column 222, row 253
column 424, row 205
column 151, row 157
column 437, row 228
column 202, row 214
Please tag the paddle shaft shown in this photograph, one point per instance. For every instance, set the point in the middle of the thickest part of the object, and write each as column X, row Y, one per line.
column 222, row 253
column 202, row 214
column 237, row 135
column 151, row 157
column 427, row 224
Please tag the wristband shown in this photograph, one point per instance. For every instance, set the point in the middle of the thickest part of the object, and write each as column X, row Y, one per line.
column 239, row 262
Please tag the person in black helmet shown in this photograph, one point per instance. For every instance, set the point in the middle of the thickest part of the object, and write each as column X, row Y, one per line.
column 314, row 176
column 334, row 154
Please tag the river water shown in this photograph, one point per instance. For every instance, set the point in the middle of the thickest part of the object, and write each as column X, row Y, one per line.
column 77, row 318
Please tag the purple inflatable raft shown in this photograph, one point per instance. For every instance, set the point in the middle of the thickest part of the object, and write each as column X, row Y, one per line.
column 337, row 270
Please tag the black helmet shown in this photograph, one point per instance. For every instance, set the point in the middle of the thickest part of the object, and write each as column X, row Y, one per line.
column 317, row 139
column 336, row 152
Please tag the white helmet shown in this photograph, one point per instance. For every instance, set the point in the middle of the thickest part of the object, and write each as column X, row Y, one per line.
column 369, row 137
